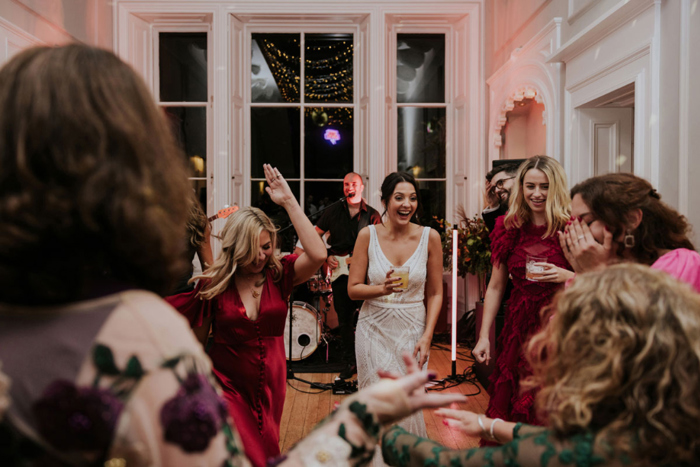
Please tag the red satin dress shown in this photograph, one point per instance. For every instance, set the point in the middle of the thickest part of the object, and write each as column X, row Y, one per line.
column 248, row 357
column 522, row 317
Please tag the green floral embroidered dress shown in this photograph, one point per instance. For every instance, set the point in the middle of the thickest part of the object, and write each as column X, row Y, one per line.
column 531, row 447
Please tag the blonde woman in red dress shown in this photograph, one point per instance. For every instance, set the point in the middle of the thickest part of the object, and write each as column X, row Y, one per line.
column 539, row 208
column 242, row 298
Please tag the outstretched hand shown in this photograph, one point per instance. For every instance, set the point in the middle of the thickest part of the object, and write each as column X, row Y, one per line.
column 277, row 188
column 463, row 420
column 394, row 397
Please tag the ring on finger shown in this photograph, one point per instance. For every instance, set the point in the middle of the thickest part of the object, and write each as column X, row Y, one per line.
column 580, row 237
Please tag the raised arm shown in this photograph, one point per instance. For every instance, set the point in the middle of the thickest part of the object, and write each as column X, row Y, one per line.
column 314, row 253
column 206, row 257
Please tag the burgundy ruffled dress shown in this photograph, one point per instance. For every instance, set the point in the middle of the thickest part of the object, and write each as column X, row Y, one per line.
column 522, row 318
column 248, row 357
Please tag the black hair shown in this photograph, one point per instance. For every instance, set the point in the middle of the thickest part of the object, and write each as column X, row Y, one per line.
column 510, row 169
column 389, row 185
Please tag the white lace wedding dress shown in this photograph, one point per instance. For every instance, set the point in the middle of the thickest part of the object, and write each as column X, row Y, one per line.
column 392, row 324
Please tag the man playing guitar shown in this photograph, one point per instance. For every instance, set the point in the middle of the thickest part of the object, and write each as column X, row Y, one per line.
column 343, row 222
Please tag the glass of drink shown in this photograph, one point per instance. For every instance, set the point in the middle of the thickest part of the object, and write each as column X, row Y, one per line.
column 402, row 273
column 532, row 272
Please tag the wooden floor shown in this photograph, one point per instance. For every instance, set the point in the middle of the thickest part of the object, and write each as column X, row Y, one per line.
column 303, row 411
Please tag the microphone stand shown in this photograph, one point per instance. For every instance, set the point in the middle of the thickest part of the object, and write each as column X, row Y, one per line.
column 290, row 314
column 316, row 213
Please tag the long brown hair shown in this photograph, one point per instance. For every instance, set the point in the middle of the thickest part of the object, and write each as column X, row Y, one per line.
column 619, row 357
column 612, row 197
column 92, row 186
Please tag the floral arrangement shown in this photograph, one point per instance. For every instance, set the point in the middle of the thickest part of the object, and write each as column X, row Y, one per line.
column 474, row 246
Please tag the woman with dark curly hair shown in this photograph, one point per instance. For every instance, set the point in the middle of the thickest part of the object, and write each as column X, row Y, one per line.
column 618, row 371
column 620, row 217
column 95, row 368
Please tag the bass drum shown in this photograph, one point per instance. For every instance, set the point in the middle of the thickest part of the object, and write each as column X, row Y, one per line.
column 307, row 328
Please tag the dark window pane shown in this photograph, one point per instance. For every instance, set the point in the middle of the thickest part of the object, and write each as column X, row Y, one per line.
column 319, row 195
column 432, row 195
column 421, row 144
column 328, row 68
column 200, row 189
column 274, row 139
column 183, row 66
column 275, row 60
column 189, row 126
column 260, row 199
column 420, row 68
column 328, row 142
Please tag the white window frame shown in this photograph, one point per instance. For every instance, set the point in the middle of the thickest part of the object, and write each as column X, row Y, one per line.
column 243, row 28
column 207, row 105
column 302, row 105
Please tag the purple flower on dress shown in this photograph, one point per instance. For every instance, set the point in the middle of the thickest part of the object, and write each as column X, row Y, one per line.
column 194, row 416
column 77, row 418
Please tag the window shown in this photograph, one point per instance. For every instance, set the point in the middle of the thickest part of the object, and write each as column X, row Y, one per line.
column 308, row 135
column 182, row 94
column 421, row 117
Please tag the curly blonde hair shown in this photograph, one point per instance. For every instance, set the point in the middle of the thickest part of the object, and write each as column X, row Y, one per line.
column 619, row 356
column 240, row 241
column 558, row 204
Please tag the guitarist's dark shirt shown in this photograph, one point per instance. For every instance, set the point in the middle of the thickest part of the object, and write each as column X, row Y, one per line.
column 343, row 230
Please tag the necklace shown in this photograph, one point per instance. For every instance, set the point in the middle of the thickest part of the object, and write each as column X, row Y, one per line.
column 255, row 293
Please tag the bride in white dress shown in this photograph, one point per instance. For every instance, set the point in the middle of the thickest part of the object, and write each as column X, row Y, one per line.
column 393, row 321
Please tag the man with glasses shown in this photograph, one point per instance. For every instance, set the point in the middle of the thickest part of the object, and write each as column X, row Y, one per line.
column 499, row 183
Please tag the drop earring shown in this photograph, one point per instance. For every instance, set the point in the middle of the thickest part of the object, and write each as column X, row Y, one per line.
column 629, row 240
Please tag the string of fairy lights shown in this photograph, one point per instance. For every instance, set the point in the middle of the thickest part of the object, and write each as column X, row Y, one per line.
column 329, row 116
column 328, row 70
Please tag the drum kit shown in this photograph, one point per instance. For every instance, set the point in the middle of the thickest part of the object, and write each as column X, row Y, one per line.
column 311, row 324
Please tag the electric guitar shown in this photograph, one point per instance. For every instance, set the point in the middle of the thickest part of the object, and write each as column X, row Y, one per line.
column 223, row 213
column 343, row 268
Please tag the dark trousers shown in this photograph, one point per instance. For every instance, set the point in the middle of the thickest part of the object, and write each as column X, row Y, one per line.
column 347, row 317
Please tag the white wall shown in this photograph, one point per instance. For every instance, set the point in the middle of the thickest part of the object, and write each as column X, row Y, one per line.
column 55, row 22
column 604, row 44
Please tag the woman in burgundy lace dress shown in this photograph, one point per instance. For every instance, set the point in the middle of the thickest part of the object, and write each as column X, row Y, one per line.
column 539, row 207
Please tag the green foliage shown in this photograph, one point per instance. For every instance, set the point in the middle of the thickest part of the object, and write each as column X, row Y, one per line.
column 474, row 246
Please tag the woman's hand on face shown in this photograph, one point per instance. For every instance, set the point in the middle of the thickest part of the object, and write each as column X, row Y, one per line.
column 277, row 188
column 552, row 273
column 463, row 420
column 391, row 283
column 482, row 351
column 587, row 253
